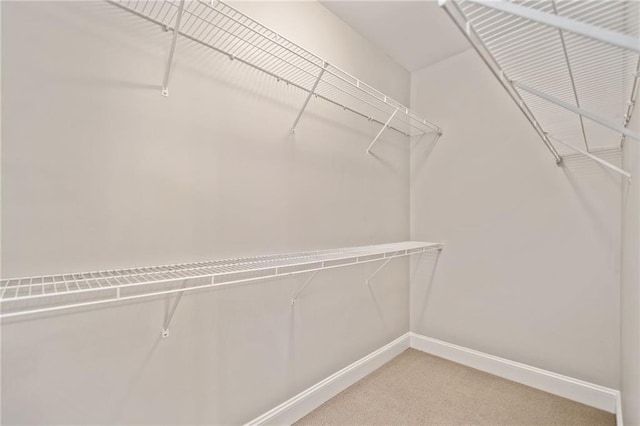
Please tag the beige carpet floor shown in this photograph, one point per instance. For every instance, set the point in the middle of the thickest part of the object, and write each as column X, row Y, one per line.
column 420, row 389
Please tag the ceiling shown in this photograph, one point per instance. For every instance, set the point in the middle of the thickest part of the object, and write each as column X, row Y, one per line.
column 413, row 33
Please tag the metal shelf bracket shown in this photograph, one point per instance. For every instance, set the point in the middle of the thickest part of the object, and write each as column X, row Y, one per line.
column 311, row 93
column 381, row 130
column 378, row 270
column 169, row 315
column 174, row 39
column 301, row 289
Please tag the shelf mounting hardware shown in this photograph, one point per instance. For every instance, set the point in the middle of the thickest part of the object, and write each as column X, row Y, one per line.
column 563, row 23
column 381, row 130
column 301, row 289
column 174, row 39
column 378, row 270
column 311, row 93
column 169, row 315
column 582, row 112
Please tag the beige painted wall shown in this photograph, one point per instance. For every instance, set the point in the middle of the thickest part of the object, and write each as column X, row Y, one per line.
column 531, row 269
column 100, row 171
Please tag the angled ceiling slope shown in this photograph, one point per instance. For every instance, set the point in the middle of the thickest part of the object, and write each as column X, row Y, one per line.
column 415, row 34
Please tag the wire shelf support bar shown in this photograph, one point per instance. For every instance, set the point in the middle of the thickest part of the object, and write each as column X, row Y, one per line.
column 174, row 40
column 294, row 298
column 311, row 93
column 171, row 312
column 377, row 270
column 381, row 131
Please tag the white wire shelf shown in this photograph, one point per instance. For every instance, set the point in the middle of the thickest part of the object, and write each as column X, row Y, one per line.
column 31, row 295
column 571, row 66
column 222, row 28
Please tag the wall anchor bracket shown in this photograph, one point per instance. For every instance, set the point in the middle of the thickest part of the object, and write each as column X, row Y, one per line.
column 169, row 315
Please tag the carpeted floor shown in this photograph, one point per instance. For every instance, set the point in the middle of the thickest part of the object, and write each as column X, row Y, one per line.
column 420, row 389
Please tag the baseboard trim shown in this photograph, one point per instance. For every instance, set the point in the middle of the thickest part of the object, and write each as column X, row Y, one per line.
column 576, row 390
column 308, row 400
column 619, row 420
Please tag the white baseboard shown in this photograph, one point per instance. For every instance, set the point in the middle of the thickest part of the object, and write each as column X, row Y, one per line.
column 577, row 390
column 619, row 421
column 308, row 400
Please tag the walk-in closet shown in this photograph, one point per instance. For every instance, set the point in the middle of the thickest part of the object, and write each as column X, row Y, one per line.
column 320, row 212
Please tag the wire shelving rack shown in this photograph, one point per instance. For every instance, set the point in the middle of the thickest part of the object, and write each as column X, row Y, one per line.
column 32, row 295
column 571, row 66
column 224, row 29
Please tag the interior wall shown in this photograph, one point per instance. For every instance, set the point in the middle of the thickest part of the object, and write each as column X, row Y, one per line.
column 531, row 266
column 100, row 171
column 630, row 294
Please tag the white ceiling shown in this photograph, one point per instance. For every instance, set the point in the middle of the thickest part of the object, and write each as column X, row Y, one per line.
column 414, row 33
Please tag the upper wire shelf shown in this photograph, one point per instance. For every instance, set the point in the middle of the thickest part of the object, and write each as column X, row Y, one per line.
column 571, row 66
column 222, row 28
column 31, row 295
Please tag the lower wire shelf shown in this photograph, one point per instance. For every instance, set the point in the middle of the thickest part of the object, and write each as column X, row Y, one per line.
column 32, row 295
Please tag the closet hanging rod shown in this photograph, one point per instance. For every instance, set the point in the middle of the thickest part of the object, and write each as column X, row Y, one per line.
column 595, row 158
column 33, row 295
column 224, row 29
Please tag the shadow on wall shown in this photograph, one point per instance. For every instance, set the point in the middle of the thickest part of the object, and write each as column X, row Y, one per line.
column 584, row 175
column 421, row 149
column 423, row 274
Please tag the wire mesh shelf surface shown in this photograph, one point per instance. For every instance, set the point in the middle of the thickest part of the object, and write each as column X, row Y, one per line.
column 584, row 73
column 29, row 295
column 222, row 28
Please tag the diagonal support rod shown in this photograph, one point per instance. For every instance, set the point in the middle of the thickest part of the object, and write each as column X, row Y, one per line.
column 381, row 130
column 311, row 93
column 583, row 112
column 379, row 269
column 169, row 316
column 174, row 39
column 301, row 289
